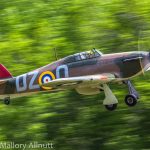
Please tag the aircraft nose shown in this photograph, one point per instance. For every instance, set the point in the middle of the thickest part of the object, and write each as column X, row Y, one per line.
column 148, row 56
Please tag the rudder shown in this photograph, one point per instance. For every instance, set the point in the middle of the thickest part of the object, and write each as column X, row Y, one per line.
column 4, row 73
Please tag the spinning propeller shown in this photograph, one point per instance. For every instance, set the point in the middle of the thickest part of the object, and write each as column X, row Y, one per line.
column 143, row 44
column 139, row 48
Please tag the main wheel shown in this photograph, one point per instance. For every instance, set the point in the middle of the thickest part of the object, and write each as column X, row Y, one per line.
column 130, row 100
column 111, row 107
column 7, row 101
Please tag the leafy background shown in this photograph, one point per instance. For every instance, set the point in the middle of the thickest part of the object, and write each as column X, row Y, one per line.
column 29, row 32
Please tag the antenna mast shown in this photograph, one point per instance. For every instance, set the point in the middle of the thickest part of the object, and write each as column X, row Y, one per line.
column 55, row 52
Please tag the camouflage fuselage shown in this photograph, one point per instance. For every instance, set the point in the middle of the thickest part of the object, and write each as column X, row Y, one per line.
column 122, row 65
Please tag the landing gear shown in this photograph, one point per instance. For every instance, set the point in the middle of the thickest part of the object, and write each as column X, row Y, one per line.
column 111, row 107
column 133, row 96
column 7, row 100
column 110, row 101
column 131, row 100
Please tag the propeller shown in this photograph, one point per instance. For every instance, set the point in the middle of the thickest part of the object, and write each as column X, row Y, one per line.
column 139, row 49
column 143, row 44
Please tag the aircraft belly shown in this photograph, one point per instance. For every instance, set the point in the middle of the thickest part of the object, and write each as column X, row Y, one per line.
column 17, row 95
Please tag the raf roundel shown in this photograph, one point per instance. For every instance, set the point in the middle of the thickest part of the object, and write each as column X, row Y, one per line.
column 46, row 77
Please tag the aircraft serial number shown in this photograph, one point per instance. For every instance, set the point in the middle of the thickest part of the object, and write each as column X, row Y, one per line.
column 21, row 81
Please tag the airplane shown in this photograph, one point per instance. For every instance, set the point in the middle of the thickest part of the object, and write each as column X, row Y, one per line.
column 88, row 72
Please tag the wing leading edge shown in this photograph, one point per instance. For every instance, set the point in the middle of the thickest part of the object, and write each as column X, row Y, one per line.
column 73, row 82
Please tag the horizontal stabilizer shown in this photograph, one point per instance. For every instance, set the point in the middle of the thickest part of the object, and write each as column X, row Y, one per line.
column 4, row 73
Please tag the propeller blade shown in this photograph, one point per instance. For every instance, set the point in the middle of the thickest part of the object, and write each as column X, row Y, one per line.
column 139, row 48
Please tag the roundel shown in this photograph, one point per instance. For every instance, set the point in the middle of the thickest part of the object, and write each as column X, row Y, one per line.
column 46, row 77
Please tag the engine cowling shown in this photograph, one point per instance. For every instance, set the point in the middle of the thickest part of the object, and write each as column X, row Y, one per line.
column 88, row 90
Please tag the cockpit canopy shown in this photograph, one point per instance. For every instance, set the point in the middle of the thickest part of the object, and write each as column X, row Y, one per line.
column 83, row 56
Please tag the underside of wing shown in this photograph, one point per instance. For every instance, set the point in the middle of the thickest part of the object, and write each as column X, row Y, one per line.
column 73, row 82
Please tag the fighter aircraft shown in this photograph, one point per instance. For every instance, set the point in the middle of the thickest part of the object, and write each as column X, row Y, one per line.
column 87, row 72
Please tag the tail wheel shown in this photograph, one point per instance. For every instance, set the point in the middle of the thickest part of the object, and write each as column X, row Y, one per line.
column 7, row 100
column 131, row 100
column 111, row 107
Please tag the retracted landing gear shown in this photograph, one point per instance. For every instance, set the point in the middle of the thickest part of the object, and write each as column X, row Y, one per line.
column 133, row 96
column 110, row 102
column 7, row 100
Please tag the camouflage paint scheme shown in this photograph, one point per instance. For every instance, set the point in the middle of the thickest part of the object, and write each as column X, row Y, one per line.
column 123, row 65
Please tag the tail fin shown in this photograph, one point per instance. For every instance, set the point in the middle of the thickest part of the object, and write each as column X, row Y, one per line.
column 4, row 73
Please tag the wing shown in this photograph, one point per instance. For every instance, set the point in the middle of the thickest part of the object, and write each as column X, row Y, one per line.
column 73, row 82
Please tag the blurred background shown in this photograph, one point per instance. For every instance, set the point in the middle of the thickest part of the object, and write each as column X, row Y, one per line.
column 29, row 33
